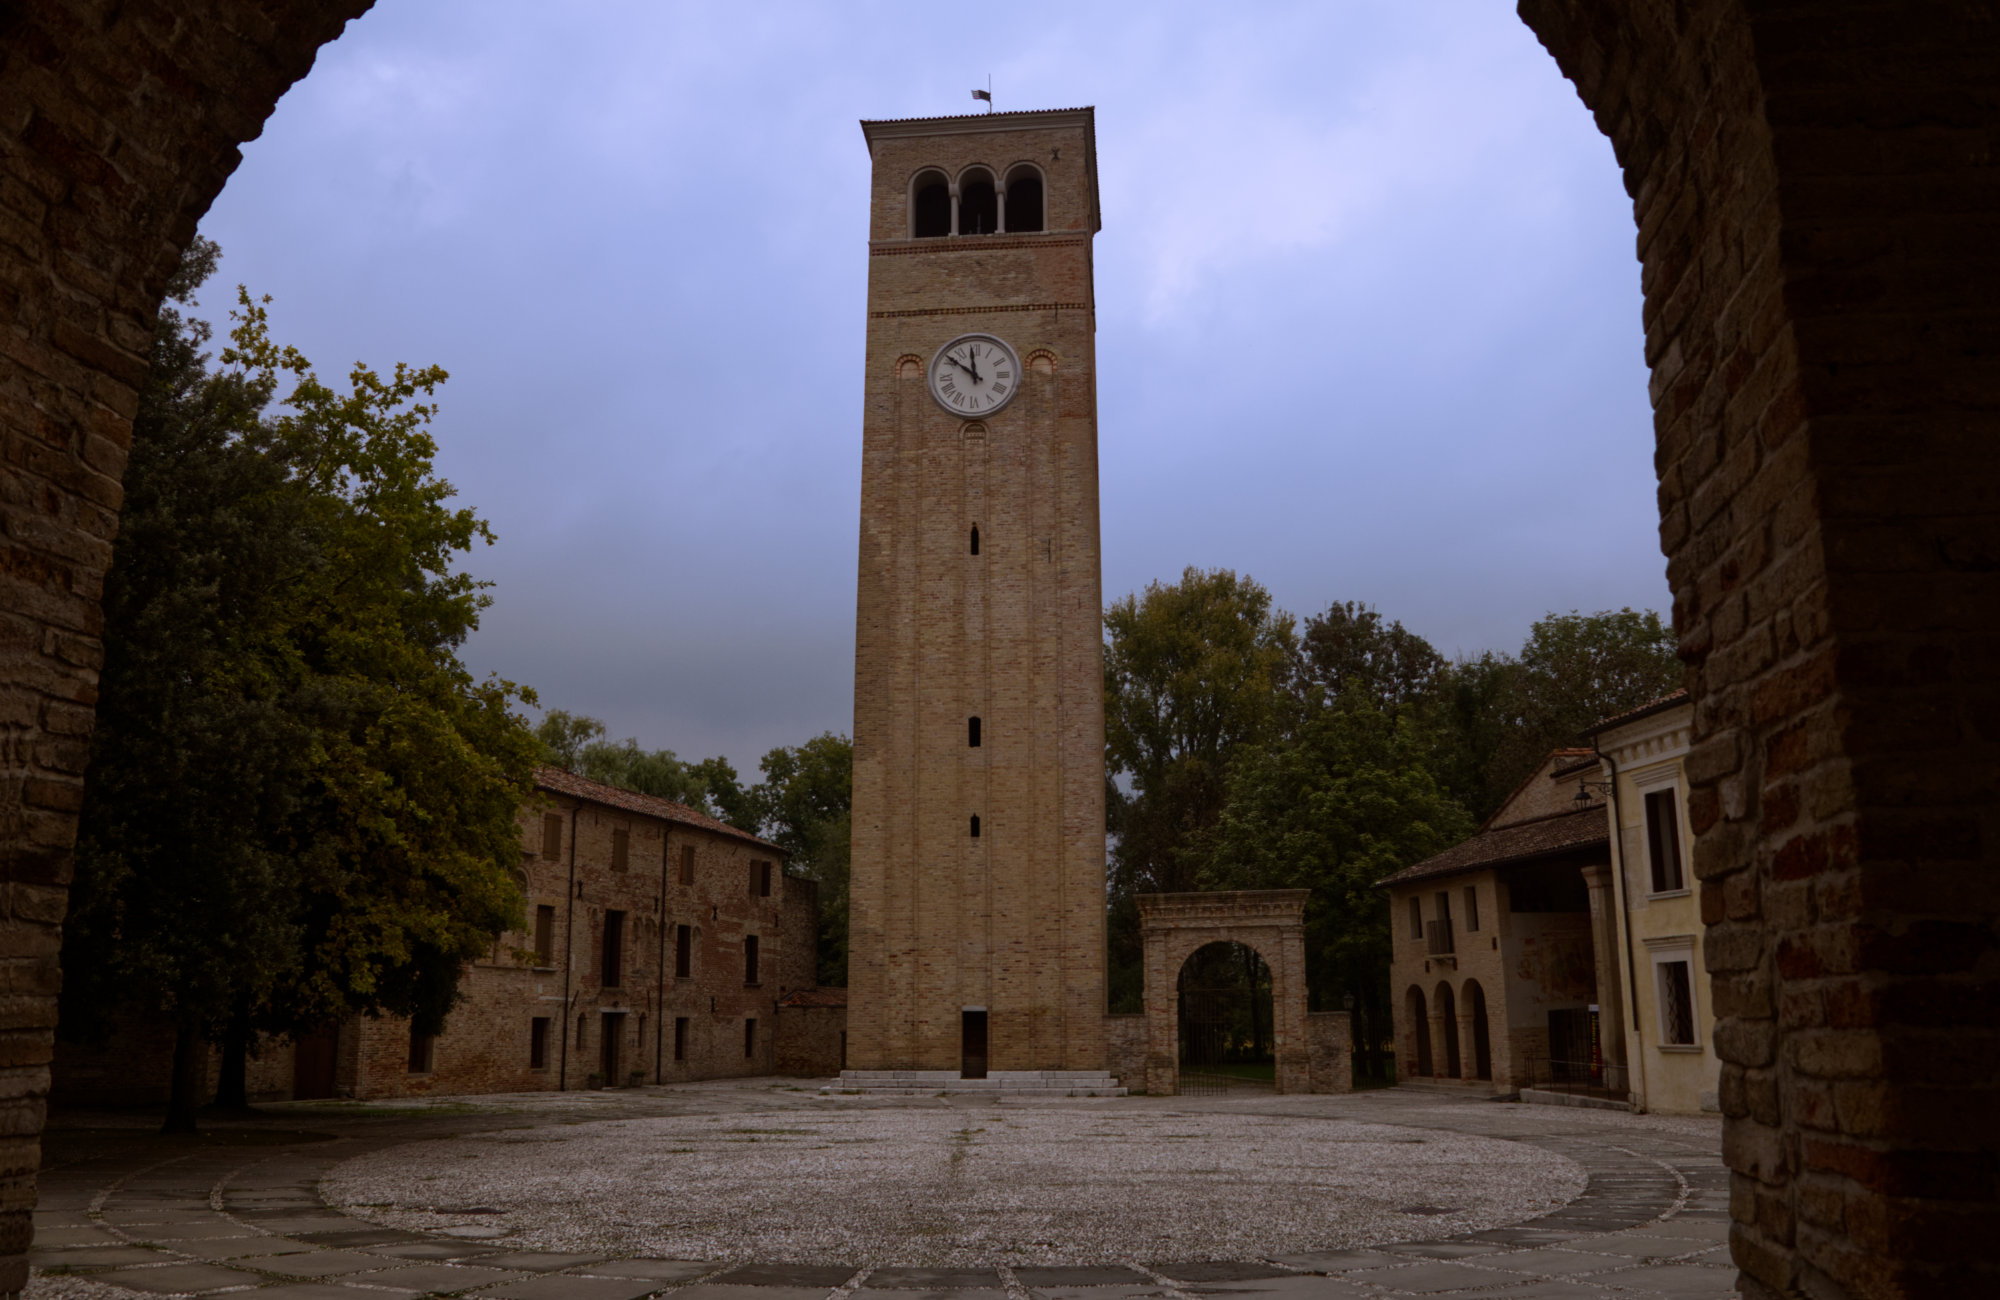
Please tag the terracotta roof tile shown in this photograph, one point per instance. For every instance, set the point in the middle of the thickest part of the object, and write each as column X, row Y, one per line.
column 1563, row 832
column 557, row 781
column 1661, row 705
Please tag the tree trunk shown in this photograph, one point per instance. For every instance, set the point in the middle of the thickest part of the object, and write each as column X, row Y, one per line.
column 232, row 1089
column 190, row 1080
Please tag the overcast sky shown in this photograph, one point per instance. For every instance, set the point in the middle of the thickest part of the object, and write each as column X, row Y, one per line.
column 1368, row 313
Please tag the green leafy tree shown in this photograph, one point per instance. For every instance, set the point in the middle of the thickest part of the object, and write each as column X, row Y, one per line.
column 1351, row 652
column 805, row 804
column 1193, row 670
column 301, row 805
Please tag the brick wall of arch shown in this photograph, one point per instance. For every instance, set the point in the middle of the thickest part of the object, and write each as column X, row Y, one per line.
column 1816, row 197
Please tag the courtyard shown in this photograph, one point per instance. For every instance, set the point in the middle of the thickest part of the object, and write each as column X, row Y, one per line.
column 768, row 1190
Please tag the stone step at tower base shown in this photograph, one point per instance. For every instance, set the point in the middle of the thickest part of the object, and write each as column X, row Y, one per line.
column 996, row 1084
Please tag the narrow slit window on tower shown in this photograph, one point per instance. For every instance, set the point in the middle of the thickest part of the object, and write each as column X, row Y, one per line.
column 972, row 733
column 930, row 215
column 975, row 826
column 1024, row 201
column 975, row 539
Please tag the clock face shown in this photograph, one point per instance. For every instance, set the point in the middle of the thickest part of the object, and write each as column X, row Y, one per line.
column 974, row 375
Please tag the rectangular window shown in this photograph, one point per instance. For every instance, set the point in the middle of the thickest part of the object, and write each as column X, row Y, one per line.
column 1471, row 908
column 621, row 849
column 545, row 935
column 614, row 949
column 538, row 1043
column 749, row 959
column 749, row 1039
column 423, row 1052
column 1663, row 841
column 683, row 951
column 1416, row 917
column 1676, row 1003
column 552, row 836
column 582, row 1031
column 680, row 1038
column 763, row 880
column 687, row 864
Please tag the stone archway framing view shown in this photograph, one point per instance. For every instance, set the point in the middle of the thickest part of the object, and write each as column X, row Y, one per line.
column 1311, row 1051
column 1816, row 196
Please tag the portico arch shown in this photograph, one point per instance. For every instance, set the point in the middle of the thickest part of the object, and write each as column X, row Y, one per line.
column 1172, row 927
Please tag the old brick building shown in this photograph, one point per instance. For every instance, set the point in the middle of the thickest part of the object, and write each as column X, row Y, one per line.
column 978, row 887
column 659, row 946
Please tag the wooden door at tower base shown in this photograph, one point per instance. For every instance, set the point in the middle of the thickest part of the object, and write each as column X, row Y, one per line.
column 972, row 1037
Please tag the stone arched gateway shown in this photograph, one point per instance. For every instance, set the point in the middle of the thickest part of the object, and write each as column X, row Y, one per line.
column 1814, row 188
column 1172, row 927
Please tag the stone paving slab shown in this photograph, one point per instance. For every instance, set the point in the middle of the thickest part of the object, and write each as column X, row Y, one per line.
column 811, row 1275
column 532, row 1261
column 1219, row 1271
column 1078, row 1276
column 564, row 1286
column 658, row 1270
column 939, row 1293
column 436, row 1277
column 924, row 1279
column 323, row 1291
column 323, row 1263
column 93, row 1256
column 466, row 1250
column 727, row 1291
column 246, row 1248
column 1147, row 1290
column 172, row 1278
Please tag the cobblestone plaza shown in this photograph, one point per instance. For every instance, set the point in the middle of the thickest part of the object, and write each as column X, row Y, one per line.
column 761, row 1190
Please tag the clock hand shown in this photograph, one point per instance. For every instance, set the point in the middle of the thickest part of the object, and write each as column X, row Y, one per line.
column 974, row 356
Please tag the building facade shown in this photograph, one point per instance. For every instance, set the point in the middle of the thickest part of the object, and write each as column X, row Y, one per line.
column 1670, row 1042
column 659, row 945
column 977, row 896
column 1547, row 953
column 1495, row 973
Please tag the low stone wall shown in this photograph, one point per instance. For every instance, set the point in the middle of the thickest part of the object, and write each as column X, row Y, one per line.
column 1125, row 1048
column 1330, row 1047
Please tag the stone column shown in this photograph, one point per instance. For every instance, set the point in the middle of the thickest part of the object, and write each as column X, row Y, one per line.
column 1162, row 1022
column 1288, row 1013
column 1605, row 928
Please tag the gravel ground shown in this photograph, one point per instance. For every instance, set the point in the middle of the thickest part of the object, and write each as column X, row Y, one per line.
column 956, row 1186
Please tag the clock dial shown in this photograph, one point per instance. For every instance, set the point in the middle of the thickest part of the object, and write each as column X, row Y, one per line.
column 974, row 375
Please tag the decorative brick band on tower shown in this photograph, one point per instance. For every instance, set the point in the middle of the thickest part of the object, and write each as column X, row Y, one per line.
column 1817, row 188
column 978, row 877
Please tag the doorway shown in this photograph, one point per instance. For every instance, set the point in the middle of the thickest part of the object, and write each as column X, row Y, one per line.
column 1482, row 1037
column 314, row 1058
column 610, row 1041
column 972, row 1043
column 1226, row 1034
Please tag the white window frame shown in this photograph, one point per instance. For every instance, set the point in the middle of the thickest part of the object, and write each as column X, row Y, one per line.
column 1665, row 952
column 1667, row 776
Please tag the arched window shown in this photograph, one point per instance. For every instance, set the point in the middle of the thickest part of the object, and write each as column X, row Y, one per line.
column 975, row 826
column 930, row 206
column 1024, row 200
column 972, row 738
column 975, row 539
column 978, row 204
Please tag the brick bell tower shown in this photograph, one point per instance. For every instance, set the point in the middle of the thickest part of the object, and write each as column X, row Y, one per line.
column 977, row 912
